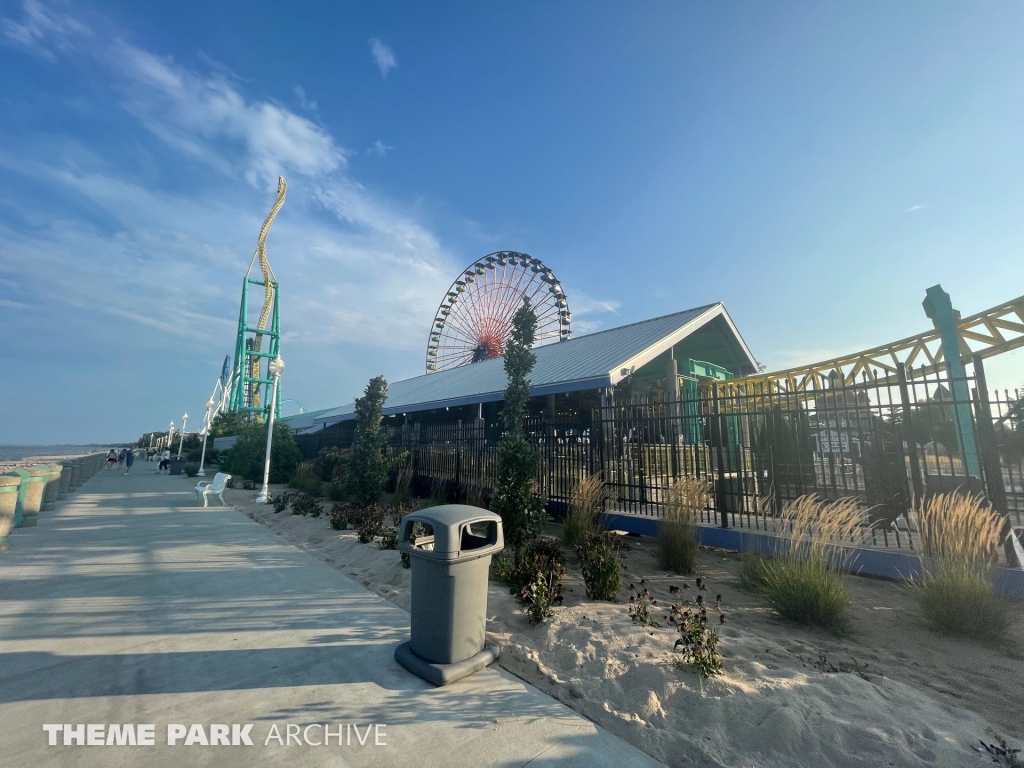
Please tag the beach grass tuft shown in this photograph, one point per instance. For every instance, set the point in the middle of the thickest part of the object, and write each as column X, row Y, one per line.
column 677, row 530
column 585, row 507
column 960, row 539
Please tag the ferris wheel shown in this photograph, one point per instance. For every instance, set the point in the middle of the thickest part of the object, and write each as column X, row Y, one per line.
column 474, row 321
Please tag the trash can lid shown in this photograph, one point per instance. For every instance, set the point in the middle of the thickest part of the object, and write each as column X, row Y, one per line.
column 450, row 523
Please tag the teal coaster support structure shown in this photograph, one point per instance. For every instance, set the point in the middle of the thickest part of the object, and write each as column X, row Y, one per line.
column 246, row 388
column 250, row 388
column 939, row 308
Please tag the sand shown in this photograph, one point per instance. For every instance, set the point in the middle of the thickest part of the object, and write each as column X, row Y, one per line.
column 913, row 698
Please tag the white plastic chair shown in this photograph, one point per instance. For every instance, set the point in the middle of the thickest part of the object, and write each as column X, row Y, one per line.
column 216, row 488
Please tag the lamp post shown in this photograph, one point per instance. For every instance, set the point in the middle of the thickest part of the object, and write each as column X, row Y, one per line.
column 170, row 435
column 206, row 433
column 181, row 438
column 276, row 367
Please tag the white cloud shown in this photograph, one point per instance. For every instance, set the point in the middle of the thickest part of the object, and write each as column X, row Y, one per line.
column 190, row 111
column 305, row 103
column 379, row 148
column 153, row 272
column 584, row 307
column 383, row 55
column 917, row 207
column 41, row 29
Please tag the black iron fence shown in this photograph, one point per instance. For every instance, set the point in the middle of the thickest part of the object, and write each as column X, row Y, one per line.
column 886, row 440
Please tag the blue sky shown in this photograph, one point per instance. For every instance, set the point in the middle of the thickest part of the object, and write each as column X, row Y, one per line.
column 814, row 166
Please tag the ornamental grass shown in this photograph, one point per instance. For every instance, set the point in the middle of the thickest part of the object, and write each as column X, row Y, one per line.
column 677, row 530
column 802, row 579
column 585, row 507
column 960, row 538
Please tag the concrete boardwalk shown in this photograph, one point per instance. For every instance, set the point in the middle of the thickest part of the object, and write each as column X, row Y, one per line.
column 130, row 604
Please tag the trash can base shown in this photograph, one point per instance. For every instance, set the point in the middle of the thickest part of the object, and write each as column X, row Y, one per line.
column 443, row 674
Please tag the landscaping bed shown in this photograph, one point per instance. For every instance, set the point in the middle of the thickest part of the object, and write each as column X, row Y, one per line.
column 890, row 693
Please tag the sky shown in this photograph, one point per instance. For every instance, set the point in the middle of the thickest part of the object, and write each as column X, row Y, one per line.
column 814, row 166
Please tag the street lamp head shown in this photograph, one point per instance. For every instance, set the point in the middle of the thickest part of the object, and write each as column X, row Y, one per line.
column 276, row 366
column 209, row 404
column 183, row 418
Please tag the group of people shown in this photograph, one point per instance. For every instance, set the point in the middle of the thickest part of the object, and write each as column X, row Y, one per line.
column 126, row 457
column 123, row 460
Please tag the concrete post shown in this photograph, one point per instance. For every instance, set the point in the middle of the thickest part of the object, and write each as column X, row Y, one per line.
column 52, row 491
column 65, row 478
column 33, row 484
column 9, row 486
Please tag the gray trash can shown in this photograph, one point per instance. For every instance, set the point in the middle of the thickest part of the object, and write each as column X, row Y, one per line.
column 450, row 550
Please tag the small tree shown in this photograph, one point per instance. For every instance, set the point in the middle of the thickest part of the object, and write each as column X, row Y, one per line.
column 246, row 458
column 367, row 474
column 521, row 512
column 227, row 423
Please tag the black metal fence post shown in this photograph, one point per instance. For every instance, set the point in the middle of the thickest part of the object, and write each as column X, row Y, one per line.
column 909, row 434
column 718, row 434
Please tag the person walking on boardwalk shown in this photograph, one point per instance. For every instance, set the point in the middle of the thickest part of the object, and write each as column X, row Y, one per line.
column 165, row 461
column 129, row 459
column 111, row 459
column 120, row 459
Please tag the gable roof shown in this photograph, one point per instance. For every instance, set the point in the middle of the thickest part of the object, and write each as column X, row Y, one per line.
column 599, row 359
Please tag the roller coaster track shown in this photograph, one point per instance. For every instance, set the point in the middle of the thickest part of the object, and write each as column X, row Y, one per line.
column 269, row 279
column 992, row 332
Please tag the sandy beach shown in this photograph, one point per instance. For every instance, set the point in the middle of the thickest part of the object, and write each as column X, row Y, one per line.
column 903, row 696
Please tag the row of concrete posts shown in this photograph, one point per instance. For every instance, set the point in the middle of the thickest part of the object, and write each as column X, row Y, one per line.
column 24, row 493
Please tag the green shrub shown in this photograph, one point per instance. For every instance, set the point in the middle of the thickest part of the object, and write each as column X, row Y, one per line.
column 960, row 539
column 280, row 501
column 332, row 464
column 698, row 640
column 640, row 604
column 803, row 591
column 677, row 530
column 600, row 566
column 514, row 497
column 389, row 540
column 537, row 577
column 502, row 568
column 585, row 507
column 191, row 469
column 367, row 474
column 962, row 602
column 245, row 459
column 305, row 504
column 305, row 479
column 338, row 517
column 541, row 595
column 802, row 581
column 368, row 522
column 227, row 423
column 336, row 491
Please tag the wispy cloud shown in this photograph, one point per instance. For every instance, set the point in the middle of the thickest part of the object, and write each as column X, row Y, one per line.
column 305, row 103
column 379, row 148
column 383, row 55
column 147, row 272
column 917, row 207
column 41, row 31
column 584, row 308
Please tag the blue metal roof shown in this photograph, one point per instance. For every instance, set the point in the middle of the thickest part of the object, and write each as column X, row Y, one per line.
column 585, row 362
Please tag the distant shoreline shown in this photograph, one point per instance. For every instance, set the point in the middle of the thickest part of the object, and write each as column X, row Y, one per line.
column 14, row 456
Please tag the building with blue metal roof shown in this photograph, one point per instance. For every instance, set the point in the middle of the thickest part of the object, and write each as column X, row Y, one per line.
column 632, row 360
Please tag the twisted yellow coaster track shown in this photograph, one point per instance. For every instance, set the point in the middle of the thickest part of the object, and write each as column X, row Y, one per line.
column 269, row 280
